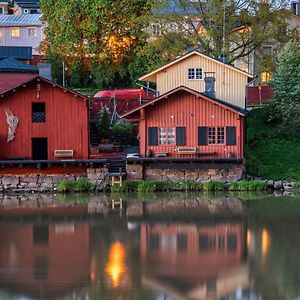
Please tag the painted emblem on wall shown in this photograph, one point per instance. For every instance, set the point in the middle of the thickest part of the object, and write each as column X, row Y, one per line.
column 12, row 122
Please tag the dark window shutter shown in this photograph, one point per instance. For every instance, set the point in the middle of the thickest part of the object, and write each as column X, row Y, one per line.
column 152, row 136
column 180, row 136
column 202, row 136
column 231, row 136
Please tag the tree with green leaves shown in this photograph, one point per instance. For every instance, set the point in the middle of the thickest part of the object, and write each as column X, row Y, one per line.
column 233, row 28
column 95, row 32
column 103, row 125
column 285, row 105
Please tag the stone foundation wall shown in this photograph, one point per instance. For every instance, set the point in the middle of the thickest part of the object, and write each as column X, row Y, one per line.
column 47, row 183
column 234, row 173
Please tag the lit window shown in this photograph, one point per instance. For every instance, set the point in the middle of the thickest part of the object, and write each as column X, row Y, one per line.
column 211, row 135
column 265, row 76
column 166, row 136
column 221, row 135
column 15, row 32
column 195, row 74
column 32, row 32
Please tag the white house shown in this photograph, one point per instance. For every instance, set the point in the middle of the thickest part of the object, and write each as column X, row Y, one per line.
column 22, row 30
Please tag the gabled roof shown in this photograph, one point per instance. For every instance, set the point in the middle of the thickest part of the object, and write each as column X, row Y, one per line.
column 9, row 81
column 219, row 102
column 20, row 20
column 150, row 75
column 10, row 64
column 18, row 80
column 16, row 52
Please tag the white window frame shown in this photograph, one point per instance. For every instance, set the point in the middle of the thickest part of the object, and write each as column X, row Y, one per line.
column 31, row 28
column 216, row 135
column 11, row 32
column 195, row 74
column 166, row 136
column 1, row 11
column 25, row 11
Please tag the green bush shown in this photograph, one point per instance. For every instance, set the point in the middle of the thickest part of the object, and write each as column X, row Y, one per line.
column 247, row 185
column 147, row 186
column 80, row 185
column 127, row 186
column 213, row 186
column 296, row 184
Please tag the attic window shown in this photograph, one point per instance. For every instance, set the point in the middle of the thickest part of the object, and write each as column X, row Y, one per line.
column 38, row 113
column 195, row 74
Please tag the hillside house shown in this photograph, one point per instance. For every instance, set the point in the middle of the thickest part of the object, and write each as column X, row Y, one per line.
column 191, row 69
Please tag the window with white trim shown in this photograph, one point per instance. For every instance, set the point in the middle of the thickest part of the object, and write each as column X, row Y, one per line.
column 195, row 74
column 31, row 32
column 15, row 32
column 216, row 135
column 166, row 136
column 1, row 10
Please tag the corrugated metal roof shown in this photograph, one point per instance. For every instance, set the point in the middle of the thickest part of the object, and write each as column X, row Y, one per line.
column 10, row 81
column 20, row 20
column 12, row 65
column 16, row 52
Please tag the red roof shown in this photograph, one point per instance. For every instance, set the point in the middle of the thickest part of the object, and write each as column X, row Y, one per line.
column 9, row 81
column 123, row 94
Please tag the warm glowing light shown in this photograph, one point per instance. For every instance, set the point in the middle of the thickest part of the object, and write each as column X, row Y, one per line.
column 119, row 46
column 265, row 241
column 249, row 236
column 116, row 267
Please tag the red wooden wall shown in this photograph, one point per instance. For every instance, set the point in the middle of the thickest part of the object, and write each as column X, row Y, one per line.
column 184, row 109
column 66, row 126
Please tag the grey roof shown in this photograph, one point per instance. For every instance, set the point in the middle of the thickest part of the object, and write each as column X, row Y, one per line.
column 20, row 20
column 12, row 65
column 16, row 52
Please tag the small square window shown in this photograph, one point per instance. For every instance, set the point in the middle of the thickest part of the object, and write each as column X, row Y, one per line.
column 195, row 73
column 38, row 113
column 265, row 76
column 15, row 32
column 1, row 11
column 32, row 32
column 166, row 136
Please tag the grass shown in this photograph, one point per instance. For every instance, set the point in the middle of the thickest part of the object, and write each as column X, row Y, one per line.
column 77, row 186
column 270, row 158
column 187, row 186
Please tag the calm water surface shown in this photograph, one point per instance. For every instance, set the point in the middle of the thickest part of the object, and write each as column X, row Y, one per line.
column 108, row 257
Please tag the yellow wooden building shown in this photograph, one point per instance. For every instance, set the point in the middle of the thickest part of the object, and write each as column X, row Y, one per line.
column 190, row 70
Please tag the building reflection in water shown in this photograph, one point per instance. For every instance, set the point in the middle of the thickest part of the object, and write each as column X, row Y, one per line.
column 189, row 261
column 44, row 260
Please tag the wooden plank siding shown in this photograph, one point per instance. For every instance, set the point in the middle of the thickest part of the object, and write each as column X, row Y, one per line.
column 183, row 109
column 230, row 84
column 66, row 126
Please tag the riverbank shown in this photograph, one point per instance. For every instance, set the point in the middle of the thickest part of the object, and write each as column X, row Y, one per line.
column 268, row 155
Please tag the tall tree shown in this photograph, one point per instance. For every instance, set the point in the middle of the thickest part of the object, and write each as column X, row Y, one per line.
column 234, row 28
column 95, row 31
column 285, row 105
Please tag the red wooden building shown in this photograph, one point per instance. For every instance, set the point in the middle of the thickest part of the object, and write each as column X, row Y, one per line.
column 184, row 123
column 40, row 120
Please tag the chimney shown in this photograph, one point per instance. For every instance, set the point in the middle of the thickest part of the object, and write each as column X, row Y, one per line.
column 210, row 86
column 223, row 58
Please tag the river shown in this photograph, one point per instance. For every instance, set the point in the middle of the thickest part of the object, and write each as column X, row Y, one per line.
column 70, row 253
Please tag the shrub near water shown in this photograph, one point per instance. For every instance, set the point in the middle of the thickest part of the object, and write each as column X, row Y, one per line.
column 247, row 185
column 80, row 185
column 213, row 186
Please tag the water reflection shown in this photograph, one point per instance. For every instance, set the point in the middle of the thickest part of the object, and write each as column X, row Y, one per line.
column 188, row 261
column 111, row 258
column 116, row 267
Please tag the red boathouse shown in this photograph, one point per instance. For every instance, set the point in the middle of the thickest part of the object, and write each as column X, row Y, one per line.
column 184, row 123
column 40, row 120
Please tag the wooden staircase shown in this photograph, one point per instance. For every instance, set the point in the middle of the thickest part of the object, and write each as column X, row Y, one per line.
column 117, row 172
